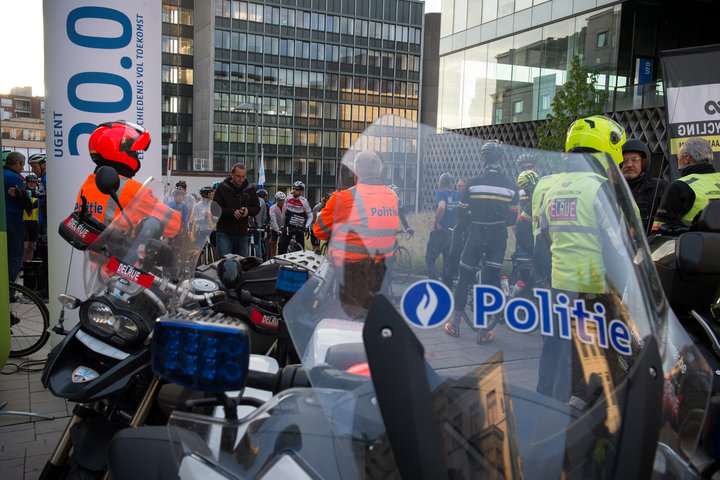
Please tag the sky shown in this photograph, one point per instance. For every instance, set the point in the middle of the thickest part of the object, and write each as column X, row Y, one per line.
column 21, row 55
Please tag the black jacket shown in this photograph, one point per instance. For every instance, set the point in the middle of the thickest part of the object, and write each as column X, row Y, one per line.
column 488, row 199
column 679, row 197
column 231, row 198
column 647, row 192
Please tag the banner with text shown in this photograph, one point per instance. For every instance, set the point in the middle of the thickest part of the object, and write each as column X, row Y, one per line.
column 691, row 80
column 102, row 63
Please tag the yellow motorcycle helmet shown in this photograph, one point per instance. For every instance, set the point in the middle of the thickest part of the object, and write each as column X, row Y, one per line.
column 597, row 133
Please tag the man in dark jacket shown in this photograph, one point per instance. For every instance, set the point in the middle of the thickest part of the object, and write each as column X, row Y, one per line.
column 16, row 200
column 686, row 197
column 238, row 200
column 646, row 190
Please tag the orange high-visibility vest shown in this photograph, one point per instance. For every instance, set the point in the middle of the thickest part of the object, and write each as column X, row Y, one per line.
column 105, row 209
column 363, row 221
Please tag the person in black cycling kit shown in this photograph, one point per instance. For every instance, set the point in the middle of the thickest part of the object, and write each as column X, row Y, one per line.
column 401, row 210
column 488, row 206
column 298, row 218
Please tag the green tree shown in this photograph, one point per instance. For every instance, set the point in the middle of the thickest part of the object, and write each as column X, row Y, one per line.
column 576, row 99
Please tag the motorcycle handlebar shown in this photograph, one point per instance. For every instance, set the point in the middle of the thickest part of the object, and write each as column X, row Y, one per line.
column 246, row 298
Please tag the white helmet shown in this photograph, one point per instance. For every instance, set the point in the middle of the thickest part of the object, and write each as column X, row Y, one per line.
column 280, row 196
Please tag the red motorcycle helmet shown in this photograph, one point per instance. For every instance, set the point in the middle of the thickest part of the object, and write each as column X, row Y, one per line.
column 116, row 144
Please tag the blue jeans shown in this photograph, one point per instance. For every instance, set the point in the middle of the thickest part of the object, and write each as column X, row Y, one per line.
column 15, row 240
column 227, row 243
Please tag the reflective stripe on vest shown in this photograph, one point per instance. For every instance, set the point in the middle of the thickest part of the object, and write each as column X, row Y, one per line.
column 577, row 260
column 111, row 206
column 372, row 233
column 706, row 187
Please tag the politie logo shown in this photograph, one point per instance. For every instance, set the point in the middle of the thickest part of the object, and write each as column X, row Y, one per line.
column 427, row 303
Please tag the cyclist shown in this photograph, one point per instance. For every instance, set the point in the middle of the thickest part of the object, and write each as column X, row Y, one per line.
column 32, row 228
column 207, row 192
column 314, row 241
column 297, row 215
column 488, row 206
column 276, row 220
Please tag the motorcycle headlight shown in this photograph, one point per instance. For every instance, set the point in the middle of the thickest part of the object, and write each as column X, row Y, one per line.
column 120, row 328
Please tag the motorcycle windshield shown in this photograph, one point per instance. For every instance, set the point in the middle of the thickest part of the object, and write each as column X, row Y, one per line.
column 150, row 245
column 529, row 376
column 548, row 351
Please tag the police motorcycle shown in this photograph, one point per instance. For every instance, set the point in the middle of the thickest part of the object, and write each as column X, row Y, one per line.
column 137, row 270
column 575, row 385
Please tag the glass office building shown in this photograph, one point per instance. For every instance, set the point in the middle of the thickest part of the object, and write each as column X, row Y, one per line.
column 295, row 80
column 502, row 60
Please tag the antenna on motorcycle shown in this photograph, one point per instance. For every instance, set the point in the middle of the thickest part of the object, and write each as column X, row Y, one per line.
column 108, row 182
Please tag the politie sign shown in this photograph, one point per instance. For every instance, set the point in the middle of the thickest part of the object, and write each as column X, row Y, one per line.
column 102, row 63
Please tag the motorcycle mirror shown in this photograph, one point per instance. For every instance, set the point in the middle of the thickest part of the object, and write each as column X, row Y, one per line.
column 108, row 182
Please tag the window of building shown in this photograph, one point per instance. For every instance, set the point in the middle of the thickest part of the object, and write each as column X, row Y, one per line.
column 545, row 102
column 169, row 44
column 6, row 102
column 170, row 14
column 498, row 115
column 287, row 17
column 239, row 10
column 491, row 405
column 222, row 8
column 185, row 16
column 517, row 107
column 602, row 39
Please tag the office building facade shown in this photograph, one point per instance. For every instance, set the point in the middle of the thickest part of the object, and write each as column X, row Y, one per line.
column 502, row 61
column 294, row 82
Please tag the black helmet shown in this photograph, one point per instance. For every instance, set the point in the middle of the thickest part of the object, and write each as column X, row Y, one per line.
column 31, row 177
column 491, row 153
column 640, row 147
column 262, row 193
column 206, row 191
column 181, row 184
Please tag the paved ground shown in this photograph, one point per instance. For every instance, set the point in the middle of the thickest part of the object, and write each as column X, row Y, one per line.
column 27, row 442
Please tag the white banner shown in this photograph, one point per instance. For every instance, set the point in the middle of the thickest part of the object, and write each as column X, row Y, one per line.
column 102, row 63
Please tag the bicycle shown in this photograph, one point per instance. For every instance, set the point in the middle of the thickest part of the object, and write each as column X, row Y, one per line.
column 402, row 261
column 29, row 321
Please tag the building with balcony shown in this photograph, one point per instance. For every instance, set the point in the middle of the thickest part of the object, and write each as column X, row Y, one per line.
column 20, row 103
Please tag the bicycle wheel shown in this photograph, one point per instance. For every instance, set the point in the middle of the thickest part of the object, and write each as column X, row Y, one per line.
column 295, row 247
column 29, row 321
column 403, row 265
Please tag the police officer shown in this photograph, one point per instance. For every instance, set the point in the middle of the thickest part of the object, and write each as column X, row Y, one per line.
column 362, row 221
column 686, row 197
column 116, row 144
column 488, row 206
column 646, row 191
column 581, row 234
